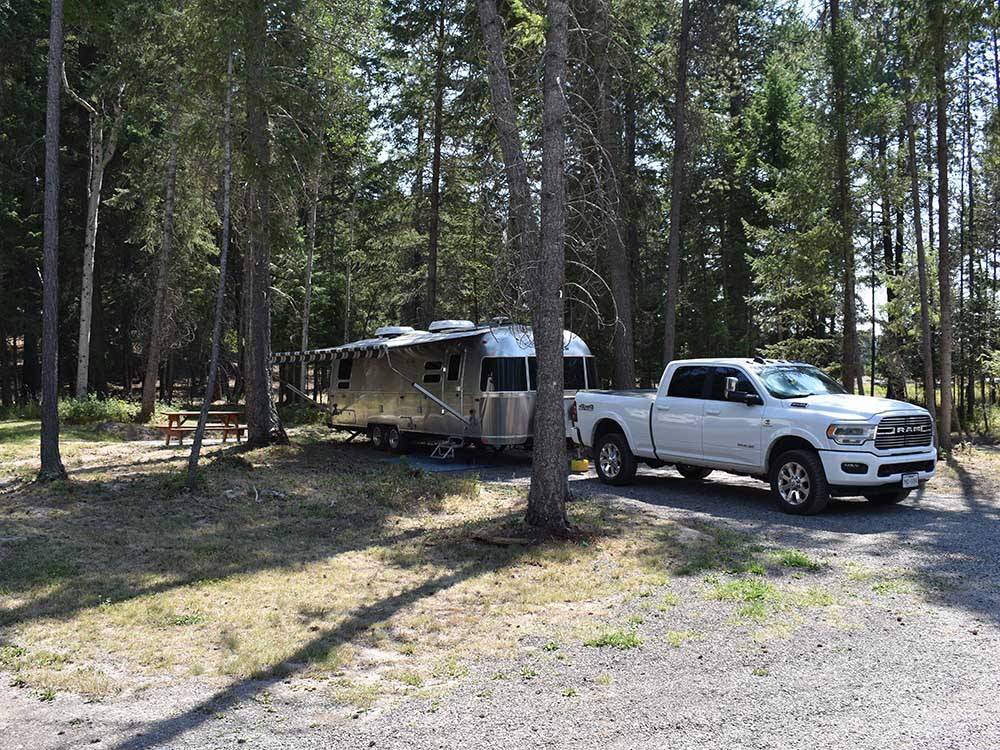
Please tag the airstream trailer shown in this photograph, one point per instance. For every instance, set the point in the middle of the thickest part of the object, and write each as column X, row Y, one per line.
column 456, row 383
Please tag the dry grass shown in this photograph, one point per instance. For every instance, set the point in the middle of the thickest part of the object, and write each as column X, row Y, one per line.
column 299, row 559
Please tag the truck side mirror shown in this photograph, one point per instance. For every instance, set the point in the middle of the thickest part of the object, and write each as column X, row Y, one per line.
column 730, row 388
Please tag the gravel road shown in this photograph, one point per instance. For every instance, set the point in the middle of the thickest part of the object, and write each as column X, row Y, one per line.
column 909, row 657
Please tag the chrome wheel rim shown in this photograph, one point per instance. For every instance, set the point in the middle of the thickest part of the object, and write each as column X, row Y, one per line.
column 793, row 483
column 377, row 437
column 610, row 460
column 393, row 439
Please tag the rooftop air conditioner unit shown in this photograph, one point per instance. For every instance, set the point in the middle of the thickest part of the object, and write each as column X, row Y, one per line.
column 390, row 332
column 441, row 326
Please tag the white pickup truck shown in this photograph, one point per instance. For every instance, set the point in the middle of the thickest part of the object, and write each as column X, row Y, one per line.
column 786, row 423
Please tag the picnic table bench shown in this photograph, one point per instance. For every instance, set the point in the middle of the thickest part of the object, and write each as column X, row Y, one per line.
column 225, row 421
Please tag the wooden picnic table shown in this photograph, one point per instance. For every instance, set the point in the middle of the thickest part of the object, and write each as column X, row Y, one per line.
column 226, row 421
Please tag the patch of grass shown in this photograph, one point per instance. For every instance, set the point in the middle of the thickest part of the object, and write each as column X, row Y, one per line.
column 569, row 693
column 409, row 678
column 678, row 638
column 47, row 695
column 793, row 558
column 759, row 672
column 550, row 646
column 604, row 679
column 528, row 673
column 623, row 640
column 719, row 549
column 360, row 695
column 755, row 596
column 667, row 601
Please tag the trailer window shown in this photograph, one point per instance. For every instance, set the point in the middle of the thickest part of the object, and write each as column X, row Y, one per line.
column 573, row 373
column 432, row 372
column 592, row 379
column 344, row 368
column 503, row 374
column 454, row 366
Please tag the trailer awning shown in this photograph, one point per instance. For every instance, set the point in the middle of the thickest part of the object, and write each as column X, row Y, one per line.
column 374, row 348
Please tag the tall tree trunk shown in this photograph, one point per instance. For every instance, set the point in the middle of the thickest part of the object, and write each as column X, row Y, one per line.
column 310, row 251
column 616, row 260
column 547, row 495
column 155, row 339
column 5, row 367
column 972, row 355
column 263, row 425
column 434, row 226
column 412, row 309
column 523, row 224
column 938, row 30
column 677, row 188
column 842, row 208
column 220, row 295
column 925, row 315
column 51, row 461
column 101, row 153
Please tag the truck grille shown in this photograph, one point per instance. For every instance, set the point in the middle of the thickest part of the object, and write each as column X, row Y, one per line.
column 904, row 432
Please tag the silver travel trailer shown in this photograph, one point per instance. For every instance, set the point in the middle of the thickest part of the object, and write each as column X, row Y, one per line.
column 457, row 382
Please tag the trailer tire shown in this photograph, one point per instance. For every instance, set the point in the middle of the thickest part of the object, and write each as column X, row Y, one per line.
column 395, row 441
column 614, row 460
column 377, row 435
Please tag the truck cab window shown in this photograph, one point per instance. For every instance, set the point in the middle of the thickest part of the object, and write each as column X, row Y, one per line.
column 432, row 372
column 592, row 380
column 344, row 368
column 689, row 382
column 503, row 374
column 454, row 367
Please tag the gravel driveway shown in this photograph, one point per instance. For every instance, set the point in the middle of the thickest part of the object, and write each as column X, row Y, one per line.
column 908, row 657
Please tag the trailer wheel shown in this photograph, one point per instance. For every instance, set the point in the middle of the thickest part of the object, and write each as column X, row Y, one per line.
column 395, row 441
column 377, row 434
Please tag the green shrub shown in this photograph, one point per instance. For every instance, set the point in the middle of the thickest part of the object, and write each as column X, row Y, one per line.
column 31, row 410
column 296, row 414
column 94, row 410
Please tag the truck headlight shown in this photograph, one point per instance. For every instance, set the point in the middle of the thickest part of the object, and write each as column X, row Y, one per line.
column 851, row 433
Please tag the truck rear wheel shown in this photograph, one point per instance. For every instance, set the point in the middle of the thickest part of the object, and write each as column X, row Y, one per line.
column 614, row 460
column 799, row 483
column 377, row 434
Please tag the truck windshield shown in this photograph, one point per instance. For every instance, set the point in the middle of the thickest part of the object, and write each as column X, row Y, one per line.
column 796, row 381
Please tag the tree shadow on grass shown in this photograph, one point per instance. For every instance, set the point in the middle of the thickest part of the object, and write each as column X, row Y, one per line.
column 103, row 541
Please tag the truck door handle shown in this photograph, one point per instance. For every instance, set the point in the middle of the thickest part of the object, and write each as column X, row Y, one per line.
column 662, row 407
column 713, row 412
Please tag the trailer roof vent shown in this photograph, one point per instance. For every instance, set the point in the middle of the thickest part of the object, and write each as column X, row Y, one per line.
column 440, row 326
column 390, row 332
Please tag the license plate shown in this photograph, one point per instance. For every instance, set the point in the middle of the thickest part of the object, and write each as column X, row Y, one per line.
column 910, row 481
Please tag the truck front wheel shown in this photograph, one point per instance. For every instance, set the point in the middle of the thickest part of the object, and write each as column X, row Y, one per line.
column 799, row 483
column 615, row 462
